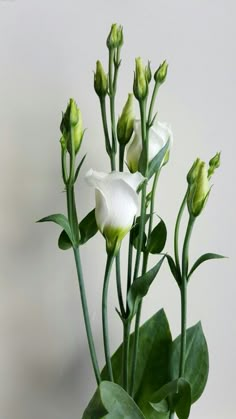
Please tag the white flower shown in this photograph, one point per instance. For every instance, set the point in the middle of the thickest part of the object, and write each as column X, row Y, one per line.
column 159, row 133
column 116, row 203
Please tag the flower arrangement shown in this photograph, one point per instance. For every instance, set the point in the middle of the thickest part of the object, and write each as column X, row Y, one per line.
column 150, row 375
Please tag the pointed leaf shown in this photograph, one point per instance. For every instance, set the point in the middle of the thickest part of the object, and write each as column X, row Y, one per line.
column 173, row 269
column 140, row 288
column 134, row 233
column 152, row 363
column 157, row 239
column 156, row 162
column 197, row 360
column 178, row 393
column 79, row 167
column 142, row 164
column 64, row 242
column 112, row 400
column 88, row 227
column 61, row 220
column 204, row 258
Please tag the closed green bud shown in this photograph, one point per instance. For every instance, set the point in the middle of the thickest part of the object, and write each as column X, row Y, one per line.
column 115, row 37
column 126, row 122
column 214, row 163
column 148, row 72
column 100, row 81
column 140, row 86
column 71, row 127
column 193, row 172
column 199, row 191
column 161, row 73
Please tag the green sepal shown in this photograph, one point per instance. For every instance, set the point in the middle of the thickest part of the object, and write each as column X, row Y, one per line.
column 173, row 269
column 204, row 258
column 140, row 288
column 112, row 400
column 177, row 394
column 196, row 362
column 152, row 370
column 88, row 227
column 156, row 162
column 61, row 220
column 157, row 239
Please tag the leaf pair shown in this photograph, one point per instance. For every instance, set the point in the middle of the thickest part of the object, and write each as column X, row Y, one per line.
column 157, row 239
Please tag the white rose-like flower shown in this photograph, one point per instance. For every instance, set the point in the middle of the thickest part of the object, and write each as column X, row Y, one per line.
column 159, row 133
column 116, row 203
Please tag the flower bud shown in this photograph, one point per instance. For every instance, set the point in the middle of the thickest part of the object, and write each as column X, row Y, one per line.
column 193, row 172
column 199, row 191
column 140, row 86
column 71, row 127
column 115, row 37
column 161, row 73
column 148, row 72
column 214, row 163
column 100, row 81
column 126, row 122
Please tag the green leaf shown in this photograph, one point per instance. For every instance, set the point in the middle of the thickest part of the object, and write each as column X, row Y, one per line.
column 197, row 360
column 142, row 164
column 79, row 167
column 134, row 233
column 152, row 362
column 112, row 400
column 173, row 269
column 204, row 258
column 156, row 162
column 178, row 392
column 61, row 220
column 64, row 242
column 88, row 227
column 157, row 238
column 140, row 288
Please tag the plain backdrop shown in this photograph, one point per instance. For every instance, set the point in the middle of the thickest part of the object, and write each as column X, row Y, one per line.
column 48, row 51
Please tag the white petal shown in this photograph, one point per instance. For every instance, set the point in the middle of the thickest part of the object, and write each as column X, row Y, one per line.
column 101, row 210
column 93, row 177
column 132, row 179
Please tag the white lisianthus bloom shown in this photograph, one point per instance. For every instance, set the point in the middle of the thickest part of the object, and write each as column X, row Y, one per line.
column 159, row 133
column 116, row 203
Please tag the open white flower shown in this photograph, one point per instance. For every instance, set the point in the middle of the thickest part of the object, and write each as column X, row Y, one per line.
column 159, row 133
column 116, row 203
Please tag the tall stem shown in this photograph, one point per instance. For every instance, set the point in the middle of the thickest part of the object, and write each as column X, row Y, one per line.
column 176, row 234
column 183, row 292
column 125, row 355
column 86, row 315
column 118, row 285
column 153, row 99
column 112, row 99
column 110, row 259
column 105, row 127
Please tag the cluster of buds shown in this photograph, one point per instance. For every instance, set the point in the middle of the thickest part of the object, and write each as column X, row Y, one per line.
column 143, row 76
column 115, row 38
column 71, row 128
column 198, row 181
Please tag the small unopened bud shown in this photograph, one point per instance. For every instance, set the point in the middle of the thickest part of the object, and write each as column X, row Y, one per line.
column 100, row 81
column 126, row 122
column 193, row 172
column 115, row 37
column 199, row 191
column 214, row 163
column 148, row 72
column 71, row 127
column 161, row 73
column 140, row 86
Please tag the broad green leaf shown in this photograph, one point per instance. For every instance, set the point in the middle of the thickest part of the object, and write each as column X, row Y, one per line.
column 61, row 220
column 112, row 402
column 173, row 269
column 157, row 240
column 197, row 360
column 64, row 242
column 140, row 288
column 204, row 258
column 156, row 162
column 88, row 227
column 178, row 394
column 152, row 363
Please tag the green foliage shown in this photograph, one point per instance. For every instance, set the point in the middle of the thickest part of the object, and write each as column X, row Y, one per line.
column 174, row 269
column 134, row 233
column 140, row 288
column 112, row 400
column 196, row 363
column 62, row 221
column 157, row 240
column 156, row 162
column 204, row 258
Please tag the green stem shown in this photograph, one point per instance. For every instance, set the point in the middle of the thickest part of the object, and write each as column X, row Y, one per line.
column 109, row 263
column 183, row 292
column 153, row 99
column 105, row 127
column 118, row 285
column 125, row 355
column 64, row 166
column 176, row 233
column 121, row 157
column 112, row 100
column 86, row 316
column 130, row 263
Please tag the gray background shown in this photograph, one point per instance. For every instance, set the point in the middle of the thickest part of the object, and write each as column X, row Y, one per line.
column 48, row 51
